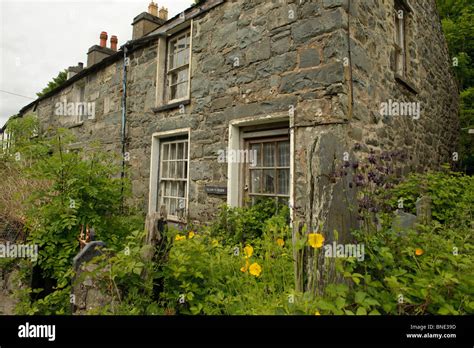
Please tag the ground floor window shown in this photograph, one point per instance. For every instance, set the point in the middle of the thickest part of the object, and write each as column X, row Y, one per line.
column 173, row 177
column 268, row 176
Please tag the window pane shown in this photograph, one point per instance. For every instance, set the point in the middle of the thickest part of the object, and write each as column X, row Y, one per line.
column 269, row 181
column 255, row 148
column 183, row 75
column 185, row 150
column 172, row 151
column 180, row 169
column 164, row 169
column 166, row 203
column 165, row 154
column 168, row 188
column 284, row 154
column 172, row 210
column 256, row 181
column 172, row 170
column 180, row 151
column 181, row 189
column 174, row 189
column 182, row 90
column 283, row 181
column 268, row 154
column 181, row 58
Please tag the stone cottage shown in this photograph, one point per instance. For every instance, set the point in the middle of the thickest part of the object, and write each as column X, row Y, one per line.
column 234, row 101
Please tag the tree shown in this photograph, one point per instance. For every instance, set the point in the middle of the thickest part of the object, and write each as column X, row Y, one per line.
column 56, row 82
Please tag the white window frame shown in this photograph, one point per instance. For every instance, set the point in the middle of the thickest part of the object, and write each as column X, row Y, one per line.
column 162, row 94
column 236, row 141
column 155, row 172
column 169, row 72
column 270, row 136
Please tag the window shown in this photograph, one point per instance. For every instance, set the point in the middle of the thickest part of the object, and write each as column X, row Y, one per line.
column 173, row 178
column 400, row 38
column 178, row 67
column 269, row 175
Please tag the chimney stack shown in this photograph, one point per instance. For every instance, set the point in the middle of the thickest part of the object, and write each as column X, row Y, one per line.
column 73, row 70
column 103, row 39
column 163, row 14
column 98, row 52
column 146, row 22
column 113, row 43
column 153, row 9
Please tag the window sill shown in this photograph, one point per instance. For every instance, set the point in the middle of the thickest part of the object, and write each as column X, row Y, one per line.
column 405, row 83
column 75, row 125
column 172, row 105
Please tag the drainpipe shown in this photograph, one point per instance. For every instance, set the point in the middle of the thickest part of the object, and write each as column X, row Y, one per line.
column 124, row 116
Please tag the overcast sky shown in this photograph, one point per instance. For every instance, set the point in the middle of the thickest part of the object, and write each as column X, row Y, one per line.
column 39, row 38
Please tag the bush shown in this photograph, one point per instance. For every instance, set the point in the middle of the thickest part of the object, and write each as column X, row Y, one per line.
column 205, row 275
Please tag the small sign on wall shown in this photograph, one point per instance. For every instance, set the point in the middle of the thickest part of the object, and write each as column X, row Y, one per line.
column 216, row 190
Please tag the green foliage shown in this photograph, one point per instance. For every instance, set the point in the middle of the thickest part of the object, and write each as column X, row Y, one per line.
column 127, row 276
column 458, row 26
column 439, row 281
column 56, row 82
column 452, row 195
column 205, row 275
column 467, row 122
column 241, row 224
column 79, row 188
column 82, row 191
column 427, row 271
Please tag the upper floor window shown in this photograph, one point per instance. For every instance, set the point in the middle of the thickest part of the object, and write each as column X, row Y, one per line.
column 178, row 67
column 401, row 14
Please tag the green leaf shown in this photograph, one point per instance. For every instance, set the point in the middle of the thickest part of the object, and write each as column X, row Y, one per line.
column 360, row 296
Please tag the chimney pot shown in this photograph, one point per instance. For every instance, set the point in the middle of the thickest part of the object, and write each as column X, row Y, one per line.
column 153, row 9
column 103, row 39
column 163, row 14
column 113, row 42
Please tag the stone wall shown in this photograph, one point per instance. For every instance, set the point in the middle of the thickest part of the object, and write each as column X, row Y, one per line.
column 430, row 140
column 9, row 283
column 289, row 54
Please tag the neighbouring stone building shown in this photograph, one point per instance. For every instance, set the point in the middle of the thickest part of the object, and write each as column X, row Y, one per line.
column 300, row 82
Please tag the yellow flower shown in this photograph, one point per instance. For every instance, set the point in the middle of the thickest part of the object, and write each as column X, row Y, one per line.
column 255, row 269
column 280, row 242
column 179, row 237
column 419, row 252
column 215, row 243
column 248, row 250
column 316, row 240
column 191, row 234
column 317, row 313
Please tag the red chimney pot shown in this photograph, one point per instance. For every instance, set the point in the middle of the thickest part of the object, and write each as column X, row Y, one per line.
column 103, row 39
column 113, row 42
